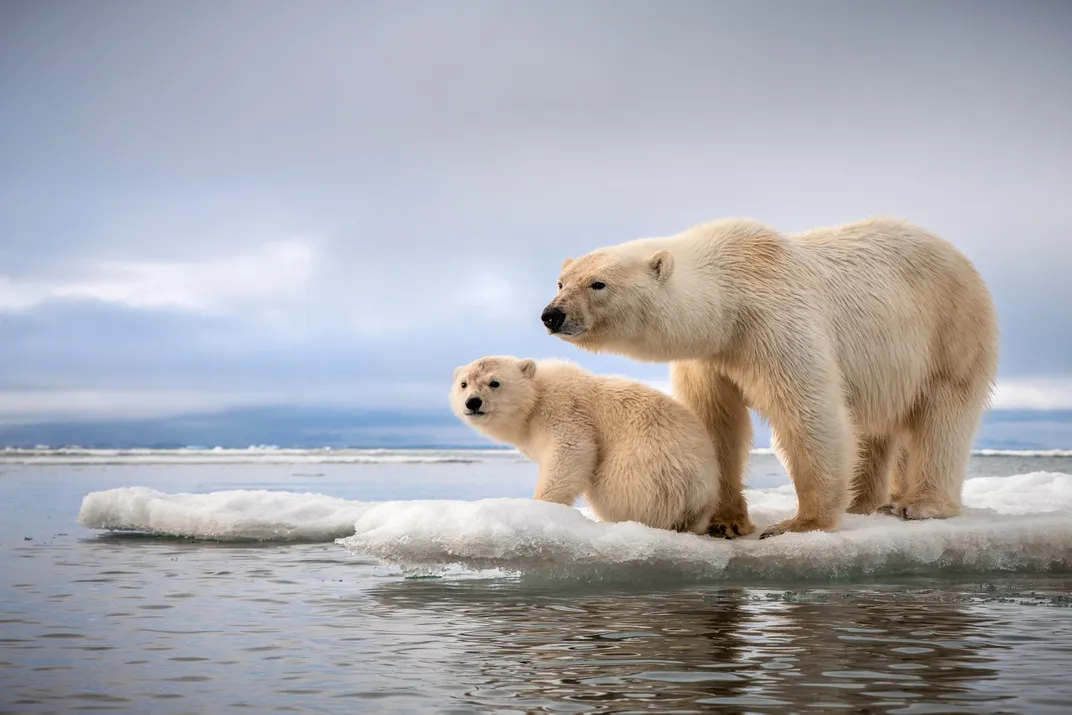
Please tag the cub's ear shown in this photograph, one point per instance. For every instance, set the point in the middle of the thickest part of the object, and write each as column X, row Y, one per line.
column 661, row 264
column 527, row 367
column 566, row 264
column 458, row 372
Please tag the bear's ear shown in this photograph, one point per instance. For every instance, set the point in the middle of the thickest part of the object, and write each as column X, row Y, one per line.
column 565, row 264
column 527, row 367
column 662, row 265
column 458, row 372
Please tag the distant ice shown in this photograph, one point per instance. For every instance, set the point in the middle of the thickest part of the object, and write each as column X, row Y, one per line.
column 1022, row 452
column 275, row 455
column 1019, row 524
column 252, row 455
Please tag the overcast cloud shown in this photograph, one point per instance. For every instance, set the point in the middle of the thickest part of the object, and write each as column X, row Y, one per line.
column 213, row 204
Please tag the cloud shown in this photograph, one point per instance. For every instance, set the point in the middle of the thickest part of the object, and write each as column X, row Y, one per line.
column 31, row 406
column 275, row 273
column 77, row 405
column 417, row 394
column 1032, row 393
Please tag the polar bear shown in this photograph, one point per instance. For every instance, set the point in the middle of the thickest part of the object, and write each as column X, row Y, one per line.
column 635, row 453
column 860, row 344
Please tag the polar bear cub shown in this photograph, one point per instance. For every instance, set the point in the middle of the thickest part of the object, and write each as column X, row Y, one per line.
column 634, row 453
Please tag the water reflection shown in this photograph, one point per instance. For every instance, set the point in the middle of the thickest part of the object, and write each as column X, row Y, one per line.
column 121, row 624
column 740, row 649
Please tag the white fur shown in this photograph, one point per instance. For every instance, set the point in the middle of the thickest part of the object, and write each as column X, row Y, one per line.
column 866, row 346
column 634, row 453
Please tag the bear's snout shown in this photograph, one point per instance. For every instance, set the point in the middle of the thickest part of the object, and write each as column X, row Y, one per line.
column 473, row 404
column 553, row 318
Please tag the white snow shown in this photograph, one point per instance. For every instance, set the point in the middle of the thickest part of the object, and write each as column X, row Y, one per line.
column 1021, row 523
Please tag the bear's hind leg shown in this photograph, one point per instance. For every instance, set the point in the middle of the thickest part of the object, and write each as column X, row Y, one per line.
column 719, row 404
column 898, row 479
column 871, row 481
column 939, row 448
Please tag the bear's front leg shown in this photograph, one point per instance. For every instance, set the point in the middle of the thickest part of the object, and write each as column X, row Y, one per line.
column 566, row 470
column 816, row 441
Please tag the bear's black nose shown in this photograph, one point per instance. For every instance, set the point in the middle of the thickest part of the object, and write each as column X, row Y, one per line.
column 553, row 318
column 473, row 404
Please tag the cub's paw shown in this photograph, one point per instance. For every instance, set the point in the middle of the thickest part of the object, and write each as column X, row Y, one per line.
column 794, row 525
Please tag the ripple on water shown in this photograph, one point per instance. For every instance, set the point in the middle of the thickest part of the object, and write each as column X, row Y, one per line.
column 684, row 676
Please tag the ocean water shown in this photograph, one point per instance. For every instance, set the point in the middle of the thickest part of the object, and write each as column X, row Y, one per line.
column 375, row 581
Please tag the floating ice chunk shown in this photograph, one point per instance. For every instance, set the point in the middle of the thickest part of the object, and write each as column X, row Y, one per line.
column 551, row 540
column 1021, row 523
column 522, row 535
column 238, row 515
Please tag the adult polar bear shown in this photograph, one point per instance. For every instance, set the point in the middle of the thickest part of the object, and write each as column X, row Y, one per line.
column 854, row 342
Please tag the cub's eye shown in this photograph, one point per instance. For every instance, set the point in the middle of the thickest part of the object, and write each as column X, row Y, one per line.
column 465, row 385
column 493, row 384
column 560, row 285
column 599, row 285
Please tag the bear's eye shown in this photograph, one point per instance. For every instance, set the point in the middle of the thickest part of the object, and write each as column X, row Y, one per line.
column 493, row 384
column 465, row 385
column 560, row 285
column 599, row 285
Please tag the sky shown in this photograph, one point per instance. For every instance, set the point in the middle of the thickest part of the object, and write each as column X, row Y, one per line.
column 214, row 206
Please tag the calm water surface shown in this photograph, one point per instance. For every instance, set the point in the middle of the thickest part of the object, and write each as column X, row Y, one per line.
column 136, row 624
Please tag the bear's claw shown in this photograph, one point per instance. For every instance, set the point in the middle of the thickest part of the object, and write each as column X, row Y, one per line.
column 916, row 512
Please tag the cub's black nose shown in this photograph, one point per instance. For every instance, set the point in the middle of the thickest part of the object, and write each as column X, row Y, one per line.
column 553, row 318
column 473, row 404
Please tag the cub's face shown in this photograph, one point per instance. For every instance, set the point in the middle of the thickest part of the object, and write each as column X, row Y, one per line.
column 493, row 391
column 606, row 297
